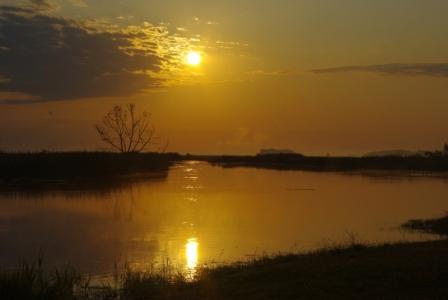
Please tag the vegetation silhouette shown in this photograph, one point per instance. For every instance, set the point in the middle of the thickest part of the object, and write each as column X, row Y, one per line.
column 350, row 270
column 51, row 168
column 125, row 131
column 436, row 226
column 435, row 163
column 43, row 169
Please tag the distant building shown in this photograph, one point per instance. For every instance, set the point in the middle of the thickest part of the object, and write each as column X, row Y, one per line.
column 276, row 151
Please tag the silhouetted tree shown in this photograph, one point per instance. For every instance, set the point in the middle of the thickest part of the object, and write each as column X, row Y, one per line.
column 126, row 132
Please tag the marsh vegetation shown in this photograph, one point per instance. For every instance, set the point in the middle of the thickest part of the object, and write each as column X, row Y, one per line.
column 344, row 271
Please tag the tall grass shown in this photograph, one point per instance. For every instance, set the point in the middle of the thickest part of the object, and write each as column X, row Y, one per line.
column 32, row 282
column 348, row 270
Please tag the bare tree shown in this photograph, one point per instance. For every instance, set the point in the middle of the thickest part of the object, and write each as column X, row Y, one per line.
column 126, row 132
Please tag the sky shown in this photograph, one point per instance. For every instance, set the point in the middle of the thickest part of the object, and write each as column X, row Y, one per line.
column 319, row 77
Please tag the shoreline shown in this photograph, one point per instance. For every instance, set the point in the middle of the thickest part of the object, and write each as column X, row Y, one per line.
column 407, row 270
column 285, row 162
column 41, row 170
column 38, row 167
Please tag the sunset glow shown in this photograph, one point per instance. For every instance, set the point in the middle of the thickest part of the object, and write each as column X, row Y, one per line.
column 307, row 89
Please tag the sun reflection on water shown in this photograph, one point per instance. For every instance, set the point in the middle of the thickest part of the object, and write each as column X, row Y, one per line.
column 192, row 257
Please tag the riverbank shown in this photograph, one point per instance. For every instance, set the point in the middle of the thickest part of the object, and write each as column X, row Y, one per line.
column 435, row 164
column 435, row 226
column 416, row 270
column 401, row 271
column 42, row 169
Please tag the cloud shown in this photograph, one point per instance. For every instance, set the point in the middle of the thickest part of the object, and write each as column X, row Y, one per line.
column 55, row 58
column 4, row 79
column 270, row 73
column 197, row 20
column 79, row 3
column 421, row 69
column 43, row 5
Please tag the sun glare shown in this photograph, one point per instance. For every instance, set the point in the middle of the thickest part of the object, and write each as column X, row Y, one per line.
column 194, row 58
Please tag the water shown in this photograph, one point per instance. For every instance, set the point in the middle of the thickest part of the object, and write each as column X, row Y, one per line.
column 202, row 214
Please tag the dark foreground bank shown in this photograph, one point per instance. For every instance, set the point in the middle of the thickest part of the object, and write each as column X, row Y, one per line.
column 354, row 271
column 52, row 167
column 434, row 163
column 406, row 271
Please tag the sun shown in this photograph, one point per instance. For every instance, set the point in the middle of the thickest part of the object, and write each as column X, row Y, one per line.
column 193, row 58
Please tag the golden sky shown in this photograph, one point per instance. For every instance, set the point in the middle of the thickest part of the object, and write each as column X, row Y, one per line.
column 315, row 76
